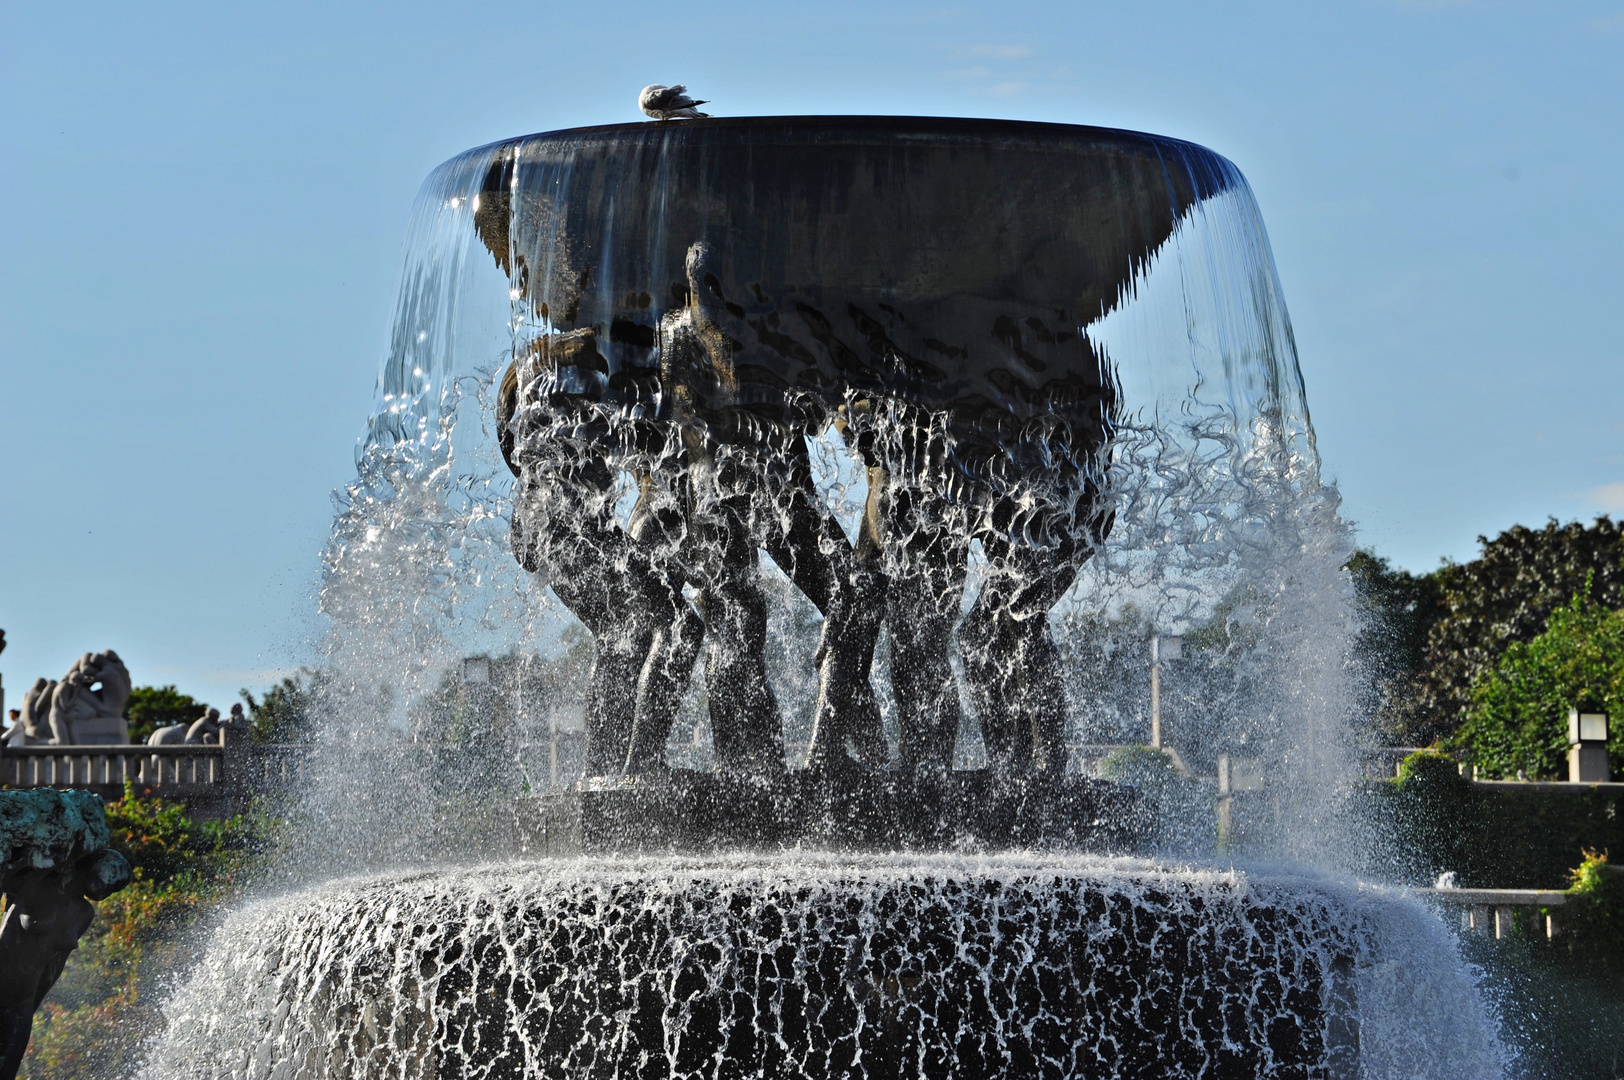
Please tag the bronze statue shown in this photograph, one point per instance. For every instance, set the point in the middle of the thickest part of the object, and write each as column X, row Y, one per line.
column 57, row 862
column 750, row 483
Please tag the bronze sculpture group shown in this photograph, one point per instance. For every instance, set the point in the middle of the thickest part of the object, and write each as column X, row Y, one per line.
column 713, row 426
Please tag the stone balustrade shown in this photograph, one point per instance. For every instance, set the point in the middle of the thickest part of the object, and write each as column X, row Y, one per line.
column 1493, row 911
column 178, row 771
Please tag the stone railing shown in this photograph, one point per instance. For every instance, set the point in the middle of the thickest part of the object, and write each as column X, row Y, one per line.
column 1493, row 911
column 177, row 771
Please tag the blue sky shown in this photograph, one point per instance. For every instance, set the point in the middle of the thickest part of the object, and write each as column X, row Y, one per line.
column 201, row 210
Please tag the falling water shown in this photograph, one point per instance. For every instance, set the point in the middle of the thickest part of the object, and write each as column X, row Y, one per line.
column 801, row 965
column 1222, row 533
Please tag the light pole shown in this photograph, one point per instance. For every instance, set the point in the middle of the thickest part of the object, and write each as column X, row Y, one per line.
column 1162, row 647
column 1587, row 747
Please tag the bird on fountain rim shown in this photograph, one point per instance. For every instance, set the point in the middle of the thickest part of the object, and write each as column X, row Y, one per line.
column 669, row 103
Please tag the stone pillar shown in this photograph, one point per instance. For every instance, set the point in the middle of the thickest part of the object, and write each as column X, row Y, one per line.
column 1502, row 923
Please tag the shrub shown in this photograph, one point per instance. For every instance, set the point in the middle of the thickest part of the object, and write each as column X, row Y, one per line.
column 1186, row 819
column 1513, row 837
column 1519, row 714
column 1593, row 918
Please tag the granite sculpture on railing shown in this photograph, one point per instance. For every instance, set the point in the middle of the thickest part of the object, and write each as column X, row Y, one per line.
column 84, row 708
column 55, row 862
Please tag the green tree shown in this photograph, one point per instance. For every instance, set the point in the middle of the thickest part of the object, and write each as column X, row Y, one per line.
column 1400, row 609
column 284, row 713
column 1506, row 595
column 153, row 707
column 1519, row 713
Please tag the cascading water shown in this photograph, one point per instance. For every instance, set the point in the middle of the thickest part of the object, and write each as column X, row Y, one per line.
column 995, row 401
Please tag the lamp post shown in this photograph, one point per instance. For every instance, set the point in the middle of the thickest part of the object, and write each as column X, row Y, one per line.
column 1162, row 647
column 1587, row 747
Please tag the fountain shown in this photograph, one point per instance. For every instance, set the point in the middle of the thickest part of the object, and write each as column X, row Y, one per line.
column 868, row 451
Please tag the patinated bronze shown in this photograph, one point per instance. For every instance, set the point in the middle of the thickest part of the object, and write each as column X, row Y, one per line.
column 747, row 283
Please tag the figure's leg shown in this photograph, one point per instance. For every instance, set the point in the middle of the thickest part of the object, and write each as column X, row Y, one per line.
column 1010, row 659
column 987, row 644
column 675, row 643
column 607, row 603
column 661, row 685
column 744, row 713
column 1043, row 692
column 926, row 589
column 846, row 585
column 563, row 525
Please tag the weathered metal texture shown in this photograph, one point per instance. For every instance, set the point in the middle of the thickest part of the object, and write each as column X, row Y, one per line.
column 702, row 812
column 949, row 263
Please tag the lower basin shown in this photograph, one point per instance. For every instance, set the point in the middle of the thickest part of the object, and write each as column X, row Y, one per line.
column 805, row 965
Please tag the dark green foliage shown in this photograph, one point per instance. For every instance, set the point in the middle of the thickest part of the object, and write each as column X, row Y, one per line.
column 1400, row 609
column 1507, row 595
column 1509, row 837
column 1593, row 918
column 1562, row 999
column 284, row 714
column 1561, row 1002
column 153, row 707
column 1519, row 713
column 1563, row 1017
column 1186, row 820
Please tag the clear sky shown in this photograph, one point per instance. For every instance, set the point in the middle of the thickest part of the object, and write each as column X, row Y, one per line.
column 202, row 205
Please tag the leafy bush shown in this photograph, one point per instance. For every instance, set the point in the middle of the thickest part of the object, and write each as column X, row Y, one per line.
column 1511, row 837
column 1186, row 819
column 1593, row 918
column 1519, row 714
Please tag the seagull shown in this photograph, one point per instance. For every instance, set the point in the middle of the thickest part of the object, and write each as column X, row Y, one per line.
column 668, row 103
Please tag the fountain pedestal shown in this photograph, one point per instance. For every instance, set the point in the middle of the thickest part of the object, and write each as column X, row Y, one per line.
column 687, row 811
column 798, row 966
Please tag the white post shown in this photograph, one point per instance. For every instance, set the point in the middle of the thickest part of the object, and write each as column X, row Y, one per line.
column 1155, row 700
column 1162, row 647
column 1502, row 923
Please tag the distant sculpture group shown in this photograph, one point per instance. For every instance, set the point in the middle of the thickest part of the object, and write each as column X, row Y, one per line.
column 209, row 729
column 86, row 706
